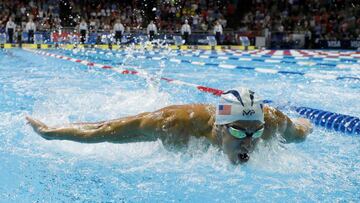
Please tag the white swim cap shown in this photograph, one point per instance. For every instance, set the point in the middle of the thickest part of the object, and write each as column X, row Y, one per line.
column 239, row 104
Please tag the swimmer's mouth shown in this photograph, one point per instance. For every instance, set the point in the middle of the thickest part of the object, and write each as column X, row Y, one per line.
column 243, row 157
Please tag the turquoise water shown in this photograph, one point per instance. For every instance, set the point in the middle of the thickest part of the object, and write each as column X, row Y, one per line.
column 326, row 167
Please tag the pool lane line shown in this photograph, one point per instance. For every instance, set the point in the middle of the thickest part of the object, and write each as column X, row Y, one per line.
column 265, row 54
column 125, row 71
column 303, row 62
column 260, row 70
column 329, row 120
column 232, row 56
column 264, row 70
column 287, row 53
column 309, row 53
column 253, row 59
column 232, row 66
column 249, row 68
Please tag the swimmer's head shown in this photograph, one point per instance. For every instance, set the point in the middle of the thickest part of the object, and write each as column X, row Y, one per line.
column 240, row 119
column 239, row 104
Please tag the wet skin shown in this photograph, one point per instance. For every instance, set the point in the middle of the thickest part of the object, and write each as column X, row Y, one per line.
column 174, row 125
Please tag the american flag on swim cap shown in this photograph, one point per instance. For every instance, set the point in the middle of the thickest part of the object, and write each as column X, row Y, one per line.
column 224, row 109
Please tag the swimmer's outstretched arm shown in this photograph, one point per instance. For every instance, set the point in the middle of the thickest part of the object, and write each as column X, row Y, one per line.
column 124, row 130
column 293, row 130
column 172, row 120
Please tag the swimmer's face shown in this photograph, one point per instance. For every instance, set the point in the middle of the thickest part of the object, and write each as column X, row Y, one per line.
column 238, row 149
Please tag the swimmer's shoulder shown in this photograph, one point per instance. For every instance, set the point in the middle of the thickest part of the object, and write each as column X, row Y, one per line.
column 274, row 121
column 198, row 115
column 273, row 116
column 197, row 108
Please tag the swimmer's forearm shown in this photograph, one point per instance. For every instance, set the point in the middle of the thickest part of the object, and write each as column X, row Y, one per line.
column 76, row 134
column 117, row 131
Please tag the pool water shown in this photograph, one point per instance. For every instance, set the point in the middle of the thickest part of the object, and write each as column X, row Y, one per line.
column 326, row 167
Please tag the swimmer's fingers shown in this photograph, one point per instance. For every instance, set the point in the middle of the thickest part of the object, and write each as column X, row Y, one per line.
column 37, row 125
column 306, row 124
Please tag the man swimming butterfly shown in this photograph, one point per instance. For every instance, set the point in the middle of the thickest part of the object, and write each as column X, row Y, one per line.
column 235, row 125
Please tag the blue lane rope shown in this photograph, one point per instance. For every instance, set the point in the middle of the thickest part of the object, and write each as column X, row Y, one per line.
column 332, row 121
column 255, row 59
column 260, row 70
column 347, row 60
column 215, row 54
column 329, row 120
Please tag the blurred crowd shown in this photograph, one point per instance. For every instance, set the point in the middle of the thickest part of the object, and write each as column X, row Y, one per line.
column 101, row 15
column 317, row 19
column 44, row 13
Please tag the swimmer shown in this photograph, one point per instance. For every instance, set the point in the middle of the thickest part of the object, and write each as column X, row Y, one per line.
column 235, row 125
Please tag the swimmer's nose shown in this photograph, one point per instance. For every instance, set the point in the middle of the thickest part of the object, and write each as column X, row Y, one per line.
column 247, row 142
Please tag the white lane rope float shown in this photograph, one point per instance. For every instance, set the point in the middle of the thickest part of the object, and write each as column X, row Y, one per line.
column 329, row 120
column 318, row 76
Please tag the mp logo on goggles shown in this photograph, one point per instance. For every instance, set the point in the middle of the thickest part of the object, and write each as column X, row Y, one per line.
column 248, row 112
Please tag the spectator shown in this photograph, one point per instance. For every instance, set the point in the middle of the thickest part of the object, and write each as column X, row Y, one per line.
column 204, row 26
column 186, row 31
column 93, row 25
column 151, row 30
column 106, row 26
column 307, row 39
column 118, row 30
column 195, row 21
column 218, row 31
column 83, row 28
column 30, row 29
column 223, row 22
column 10, row 29
column 19, row 35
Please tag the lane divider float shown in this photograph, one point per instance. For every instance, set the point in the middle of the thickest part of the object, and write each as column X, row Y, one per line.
column 249, row 68
column 244, row 57
column 304, row 60
column 329, row 120
column 259, row 70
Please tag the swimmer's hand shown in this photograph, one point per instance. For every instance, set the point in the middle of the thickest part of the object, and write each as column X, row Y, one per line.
column 38, row 127
column 305, row 125
column 300, row 128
